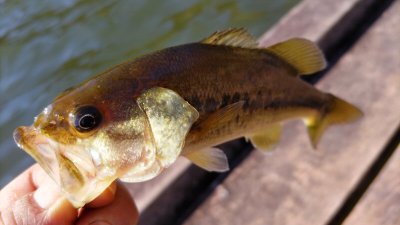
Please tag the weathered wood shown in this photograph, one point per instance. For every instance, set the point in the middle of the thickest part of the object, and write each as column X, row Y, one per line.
column 321, row 21
column 296, row 185
column 381, row 203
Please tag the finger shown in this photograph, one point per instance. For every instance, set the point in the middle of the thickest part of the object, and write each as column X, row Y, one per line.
column 16, row 190
column 34, row 197
column 56, row 208
column 62, row 212
column 47, row 192
column 105, row 198
column 121, row 211
column 21, row 185
column 26, row 211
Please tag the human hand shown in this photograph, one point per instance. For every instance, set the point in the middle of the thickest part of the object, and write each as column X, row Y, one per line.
column 33, row 198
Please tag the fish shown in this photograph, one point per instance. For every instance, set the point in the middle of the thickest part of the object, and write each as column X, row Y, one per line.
column 134, row 120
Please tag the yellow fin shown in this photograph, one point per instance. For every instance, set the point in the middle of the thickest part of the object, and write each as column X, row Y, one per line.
column 267, row 139
column 210, row 159
column 170, row 118
column 304, row 55
column 238, row 37
column 340, row 112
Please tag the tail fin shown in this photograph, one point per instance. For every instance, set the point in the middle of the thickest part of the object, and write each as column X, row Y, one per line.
column 304, row 55
column 340, row 112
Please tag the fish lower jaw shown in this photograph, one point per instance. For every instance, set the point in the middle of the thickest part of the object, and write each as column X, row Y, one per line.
column 88, row 192
column 35, row 144
column 75, row 172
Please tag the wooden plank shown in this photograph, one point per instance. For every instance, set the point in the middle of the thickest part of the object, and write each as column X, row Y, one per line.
column 381, row 203
column 296, row 185
column 315, row 19
column 309, row 14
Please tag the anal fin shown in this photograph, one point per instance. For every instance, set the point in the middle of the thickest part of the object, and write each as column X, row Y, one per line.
column 266, row 139
column 210, row 159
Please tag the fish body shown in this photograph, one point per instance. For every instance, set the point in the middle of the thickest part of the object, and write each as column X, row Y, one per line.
column 133, row 120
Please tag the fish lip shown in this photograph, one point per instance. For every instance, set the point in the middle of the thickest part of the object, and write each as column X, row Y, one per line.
column 53, row 157
column 39, row 147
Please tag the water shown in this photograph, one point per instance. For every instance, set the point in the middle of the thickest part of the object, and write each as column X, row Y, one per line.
column 47, row 46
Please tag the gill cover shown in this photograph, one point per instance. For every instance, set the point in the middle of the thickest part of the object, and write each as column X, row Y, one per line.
column 170, row 118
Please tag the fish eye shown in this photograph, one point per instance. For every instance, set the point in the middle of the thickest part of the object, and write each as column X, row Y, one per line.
column 87, row 118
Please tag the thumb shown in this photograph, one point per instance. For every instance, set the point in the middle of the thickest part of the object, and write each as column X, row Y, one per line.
column 56, row 209
column 30, row 209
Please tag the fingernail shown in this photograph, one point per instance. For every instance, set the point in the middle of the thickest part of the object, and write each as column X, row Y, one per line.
column 100, row 222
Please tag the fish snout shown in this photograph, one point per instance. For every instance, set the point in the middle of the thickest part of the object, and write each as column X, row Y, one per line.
column 40, row 147
column 50, row 119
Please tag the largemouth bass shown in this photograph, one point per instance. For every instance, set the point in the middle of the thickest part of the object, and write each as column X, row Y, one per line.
column 133, row 120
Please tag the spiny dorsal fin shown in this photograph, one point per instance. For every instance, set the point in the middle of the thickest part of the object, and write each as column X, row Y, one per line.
column 302, row 54
column 210, row 159
column 238, row 37
column 266, row 139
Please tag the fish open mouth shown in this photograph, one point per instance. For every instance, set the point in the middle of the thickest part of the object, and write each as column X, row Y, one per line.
column 40, row 147
column 69, row 166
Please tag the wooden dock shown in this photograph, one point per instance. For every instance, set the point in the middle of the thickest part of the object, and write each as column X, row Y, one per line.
column 353, row 177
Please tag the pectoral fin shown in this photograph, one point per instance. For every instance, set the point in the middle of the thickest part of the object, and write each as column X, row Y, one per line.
column 210, row 159
column 207, row 129
column 170, row 118
column 266, row 139
column 222, row 116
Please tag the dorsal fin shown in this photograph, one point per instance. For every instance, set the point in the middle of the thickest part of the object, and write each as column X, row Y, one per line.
column 238, row 37
column 304, row 55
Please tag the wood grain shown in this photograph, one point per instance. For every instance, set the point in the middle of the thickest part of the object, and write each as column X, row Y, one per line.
column 296, row 185
column 381, row 203
column 321, row 21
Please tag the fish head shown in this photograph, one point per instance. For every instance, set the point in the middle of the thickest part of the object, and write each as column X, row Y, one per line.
column 85, row 141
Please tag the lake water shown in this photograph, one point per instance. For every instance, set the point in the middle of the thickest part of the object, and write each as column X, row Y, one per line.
column 47, row 46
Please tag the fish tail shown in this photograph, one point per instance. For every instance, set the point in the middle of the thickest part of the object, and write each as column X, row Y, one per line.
column 304, row 55
column 338, row 112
